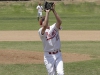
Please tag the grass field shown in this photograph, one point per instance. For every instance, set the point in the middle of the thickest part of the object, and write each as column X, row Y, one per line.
column 91, row 67
column 72, row 22
column 21, row 16
column 84, row 47
column 78, row 68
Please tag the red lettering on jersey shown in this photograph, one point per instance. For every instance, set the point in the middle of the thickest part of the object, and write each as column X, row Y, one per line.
column 52, row 35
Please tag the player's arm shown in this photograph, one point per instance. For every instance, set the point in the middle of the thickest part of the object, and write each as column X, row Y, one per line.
column 45, row 22
column 37, row 7
column 58, row 19
column 42, row 8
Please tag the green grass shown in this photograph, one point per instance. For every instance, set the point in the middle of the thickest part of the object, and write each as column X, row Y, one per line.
column 83, row 68
column 84, row 47
column 23, row 69
column 19, row 23
column 91, row 67
column 23, row 16
column 29, row 45
column 70, row 22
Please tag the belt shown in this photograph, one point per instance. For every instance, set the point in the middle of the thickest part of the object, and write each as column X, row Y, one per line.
column 55, row 52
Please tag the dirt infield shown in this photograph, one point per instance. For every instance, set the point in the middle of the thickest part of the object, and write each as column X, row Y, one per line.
column 29, row 57
column 64, row 36
column 17, row 57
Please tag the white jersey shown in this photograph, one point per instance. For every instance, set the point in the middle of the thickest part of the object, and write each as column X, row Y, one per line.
column 50, row 38
column 40, row 8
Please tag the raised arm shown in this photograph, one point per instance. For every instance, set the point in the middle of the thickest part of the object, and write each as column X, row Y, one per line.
column 58, row 19
column 45, row 22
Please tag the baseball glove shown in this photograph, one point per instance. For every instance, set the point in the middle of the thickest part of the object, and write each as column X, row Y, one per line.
column 48, row 5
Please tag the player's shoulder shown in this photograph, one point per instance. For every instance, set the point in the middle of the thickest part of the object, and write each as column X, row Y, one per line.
column 55, row 27
column 39, row 32
column 40, row 29
column 53, row 24
column 38, row 6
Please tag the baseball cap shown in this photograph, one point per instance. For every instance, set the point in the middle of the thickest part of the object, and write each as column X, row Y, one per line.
column 41, row 20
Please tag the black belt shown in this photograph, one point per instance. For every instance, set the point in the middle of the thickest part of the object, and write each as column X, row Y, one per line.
column 55, row 52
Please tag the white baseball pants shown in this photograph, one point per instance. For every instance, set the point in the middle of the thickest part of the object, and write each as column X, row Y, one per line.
column 54, row 63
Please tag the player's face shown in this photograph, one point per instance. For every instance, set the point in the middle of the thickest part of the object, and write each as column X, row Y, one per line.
column 39, row 4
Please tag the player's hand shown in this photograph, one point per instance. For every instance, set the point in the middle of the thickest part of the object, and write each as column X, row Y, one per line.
column 48, row 11
column 53, row 7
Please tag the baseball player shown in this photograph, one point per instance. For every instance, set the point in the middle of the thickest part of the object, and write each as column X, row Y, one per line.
column 39, row 13
column 51, row 42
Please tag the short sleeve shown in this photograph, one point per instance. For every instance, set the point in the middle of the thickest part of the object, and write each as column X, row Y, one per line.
column 37, row 7
column 54, row 25
column 39, row 31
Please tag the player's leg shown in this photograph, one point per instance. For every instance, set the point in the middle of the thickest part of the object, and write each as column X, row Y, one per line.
column 59, row 65
column 38, row 15
column 49, row 62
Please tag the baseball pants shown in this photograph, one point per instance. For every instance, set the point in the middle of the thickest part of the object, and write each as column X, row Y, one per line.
column 54, row 63
column 39, row 14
